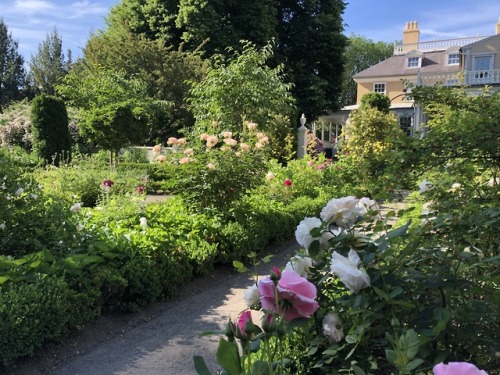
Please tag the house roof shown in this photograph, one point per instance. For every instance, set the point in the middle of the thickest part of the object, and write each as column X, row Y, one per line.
column 482, row 41
column 432, row 62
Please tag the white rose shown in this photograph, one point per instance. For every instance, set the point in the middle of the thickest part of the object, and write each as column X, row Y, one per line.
column 143, row 222
column 299, row 265
column 19, row 191
column 303, row 231
column 367, row 204
column 76, row 207
column 332, row 327
column 424, row 186
column 252, row 296
column 2, row 226
column 347, row 269
column 343, row 212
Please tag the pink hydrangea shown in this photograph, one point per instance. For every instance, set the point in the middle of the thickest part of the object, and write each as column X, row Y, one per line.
column 296, row 295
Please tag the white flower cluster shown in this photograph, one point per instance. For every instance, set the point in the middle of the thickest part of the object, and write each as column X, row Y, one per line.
column 343, row 212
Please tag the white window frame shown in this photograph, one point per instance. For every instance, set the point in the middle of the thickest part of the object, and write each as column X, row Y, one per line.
column 378, row 85
column 416, row 59
column 453, row 59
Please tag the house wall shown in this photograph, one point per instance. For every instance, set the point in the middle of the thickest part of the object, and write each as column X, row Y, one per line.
column 492, row 45
column 393, row 88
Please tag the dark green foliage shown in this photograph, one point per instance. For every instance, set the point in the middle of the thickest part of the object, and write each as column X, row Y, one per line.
column 214, row 26
column 12, row 74
column 376, row 100
column 117, row 125
column 31, row 314
column 143, row 283
column 49, row 121
column 310, row 43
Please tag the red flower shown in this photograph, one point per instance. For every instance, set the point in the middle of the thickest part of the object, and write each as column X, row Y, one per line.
column 140, row 189
column 108, row 183
column 288, row 182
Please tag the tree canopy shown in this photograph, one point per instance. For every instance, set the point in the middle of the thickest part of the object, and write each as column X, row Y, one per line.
column 360, row 54
column 48, row 66
column 308, row 36
column 12, row 74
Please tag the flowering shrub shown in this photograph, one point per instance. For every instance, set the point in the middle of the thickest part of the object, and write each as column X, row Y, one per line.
column 375, row 300
column 219, row 171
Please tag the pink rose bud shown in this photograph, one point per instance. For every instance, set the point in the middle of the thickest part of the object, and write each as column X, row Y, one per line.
column 275, row 273
column 140, row 189
column 288, row 182
column 245, row 325
column 268, row 322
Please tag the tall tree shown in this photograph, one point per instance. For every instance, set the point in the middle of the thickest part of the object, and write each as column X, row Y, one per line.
column 223, row 23
column 48, row 67
column 308, row 35
column 12, row 74
column 154, row 19
column 360, row 54
column 311, row 45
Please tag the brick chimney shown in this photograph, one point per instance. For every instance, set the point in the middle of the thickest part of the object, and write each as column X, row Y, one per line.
column 411, row 33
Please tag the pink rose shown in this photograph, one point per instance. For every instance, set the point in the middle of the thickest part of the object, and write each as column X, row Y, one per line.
column 296, row 295
column 288, row 182
column 244, row 318
column 457, row 368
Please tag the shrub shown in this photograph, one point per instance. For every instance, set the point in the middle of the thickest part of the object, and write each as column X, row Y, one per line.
column 30, row 221
column 51, row 138
column 30, row 315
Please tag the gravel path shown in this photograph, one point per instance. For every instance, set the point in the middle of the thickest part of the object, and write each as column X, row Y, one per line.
column 162, row 338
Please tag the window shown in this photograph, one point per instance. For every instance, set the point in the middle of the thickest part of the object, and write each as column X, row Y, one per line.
column 413, row 62
column 405, row 122
column 481, row 66
column 453, row 59
column 379, row 87
column 483, row 62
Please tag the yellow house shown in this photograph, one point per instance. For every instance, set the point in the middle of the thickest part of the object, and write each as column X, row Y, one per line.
column 470, row 62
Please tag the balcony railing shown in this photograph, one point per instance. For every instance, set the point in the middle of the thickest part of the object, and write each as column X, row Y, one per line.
column 471, row 78
column 437, row 45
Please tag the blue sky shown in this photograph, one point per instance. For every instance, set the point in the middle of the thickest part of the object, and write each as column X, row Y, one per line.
column 30, row 21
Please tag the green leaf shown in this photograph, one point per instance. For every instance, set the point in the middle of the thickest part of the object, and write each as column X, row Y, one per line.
column 351, row 339
column 357, row 370
column 414, row 364
column 314, row 249
column 412, row 343
column 228, row 357
column 381, row 293
column 200, row 365
column 260, row 368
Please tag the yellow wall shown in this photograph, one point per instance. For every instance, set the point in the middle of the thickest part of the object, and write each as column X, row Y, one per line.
column 393, row 88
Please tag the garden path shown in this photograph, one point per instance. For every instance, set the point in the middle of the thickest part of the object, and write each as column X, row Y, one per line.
column 162, row 338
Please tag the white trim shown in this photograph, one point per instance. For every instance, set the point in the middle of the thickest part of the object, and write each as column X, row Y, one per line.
column 419, row 62
column 448, row 59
